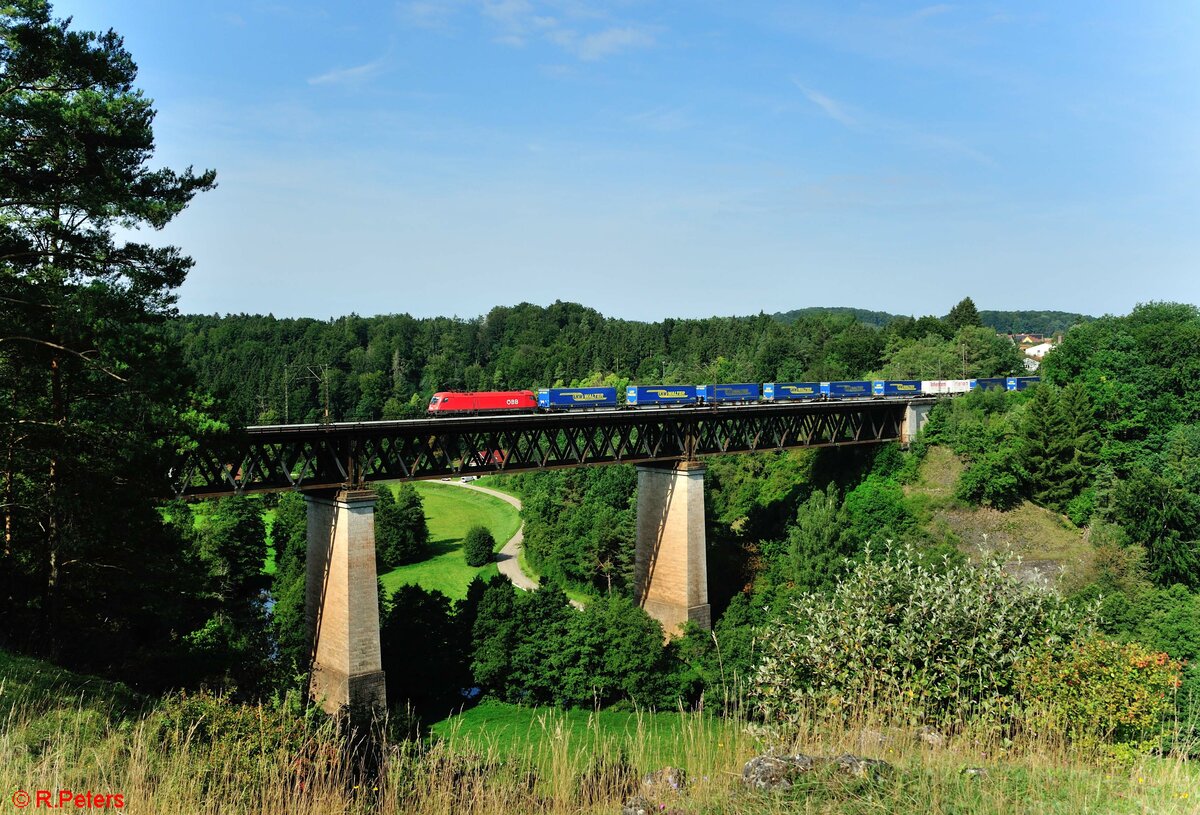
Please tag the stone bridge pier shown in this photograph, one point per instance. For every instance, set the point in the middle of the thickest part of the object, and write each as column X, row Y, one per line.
column 670, row 569
column 916, row 416
column 341, row 602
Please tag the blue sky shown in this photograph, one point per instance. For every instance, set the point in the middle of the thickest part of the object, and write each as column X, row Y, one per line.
column 676, row 159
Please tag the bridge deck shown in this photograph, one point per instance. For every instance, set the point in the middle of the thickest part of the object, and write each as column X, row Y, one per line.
column 315, row 456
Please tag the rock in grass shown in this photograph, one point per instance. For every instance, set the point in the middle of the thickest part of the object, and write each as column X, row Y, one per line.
column 665, row 781
column 931, row 736
column 861, row 767
column 775, row 772
column 780, row 772
column 638, row 805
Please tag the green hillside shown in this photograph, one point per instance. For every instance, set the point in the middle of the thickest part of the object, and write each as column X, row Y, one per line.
column 1049, row 547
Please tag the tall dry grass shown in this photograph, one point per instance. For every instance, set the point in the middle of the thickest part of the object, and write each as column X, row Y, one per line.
column 183, row 767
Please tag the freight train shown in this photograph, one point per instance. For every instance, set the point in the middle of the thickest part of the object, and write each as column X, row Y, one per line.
column 554, row 400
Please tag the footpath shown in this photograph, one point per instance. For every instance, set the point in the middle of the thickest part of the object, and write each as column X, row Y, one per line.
column 508, row 561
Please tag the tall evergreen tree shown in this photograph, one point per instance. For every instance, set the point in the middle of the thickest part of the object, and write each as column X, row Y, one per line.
column 1164, row 519
column 401, row 532
column 233, row 644
column 289, row 533
column 422, row 656
column 817, row 545
column 493, row 636
column 1047, row 450
column 94, row 394
column 963, row 314
column 1083, row 445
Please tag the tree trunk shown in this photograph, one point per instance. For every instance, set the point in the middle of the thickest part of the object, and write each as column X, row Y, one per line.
column 8, row 494
column 58, row 414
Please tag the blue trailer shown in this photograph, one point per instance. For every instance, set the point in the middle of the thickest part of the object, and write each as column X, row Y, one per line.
column 788, row 391
column 712, row 394
column 576, row 398
column 989, row 383
column 660, row 395
column 845, row 390
column 896, row 387
column 1020, row 383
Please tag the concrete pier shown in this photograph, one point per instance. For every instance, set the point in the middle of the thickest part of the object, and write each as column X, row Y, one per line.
column 342, row 601
column 916, row 416
column 671, row 575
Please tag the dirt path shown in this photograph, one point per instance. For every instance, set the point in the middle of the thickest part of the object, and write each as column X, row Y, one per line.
column 508, row 561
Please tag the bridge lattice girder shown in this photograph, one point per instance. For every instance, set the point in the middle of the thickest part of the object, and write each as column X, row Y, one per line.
column 308, row 457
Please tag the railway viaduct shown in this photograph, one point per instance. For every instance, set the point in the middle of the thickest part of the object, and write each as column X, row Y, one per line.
column 333, row 463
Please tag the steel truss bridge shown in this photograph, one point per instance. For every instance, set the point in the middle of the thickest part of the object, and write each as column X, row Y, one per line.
column 320, row 456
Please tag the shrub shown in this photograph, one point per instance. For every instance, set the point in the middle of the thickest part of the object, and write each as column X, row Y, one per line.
column 1081, row 507
column 910, row 638
column 994, row 479
column 1101, row 691
column 478, row 546
column 242, row 746
column 875, row 510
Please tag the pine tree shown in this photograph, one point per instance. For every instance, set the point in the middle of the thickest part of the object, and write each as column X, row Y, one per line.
column 817, row 546
column 95, row 394
column 1083, row 439
column 493, row 636
column 233, row 643
column 1046, row 449
column 401, row 532
column 963, row 314
column 289, row 533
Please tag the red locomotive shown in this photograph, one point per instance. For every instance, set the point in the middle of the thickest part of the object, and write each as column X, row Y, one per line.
column 448, row 402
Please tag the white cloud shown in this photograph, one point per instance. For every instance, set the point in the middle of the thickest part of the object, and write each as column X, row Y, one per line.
column 900, row 131
column 832, row 108
column 611, row 41
column 349, row 76
column 565, row 24
column 933, row 11
column 662, row 120
column 510, row 13
column 428, row 13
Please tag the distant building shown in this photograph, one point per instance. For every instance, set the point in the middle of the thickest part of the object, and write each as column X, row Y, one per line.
column 1031, row 364
column 1040, row 350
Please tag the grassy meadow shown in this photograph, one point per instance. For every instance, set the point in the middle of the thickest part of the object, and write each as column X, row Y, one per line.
column 450, row 511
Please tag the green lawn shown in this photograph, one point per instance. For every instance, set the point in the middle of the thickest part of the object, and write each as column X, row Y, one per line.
column 651, row 740
column 450, row 512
